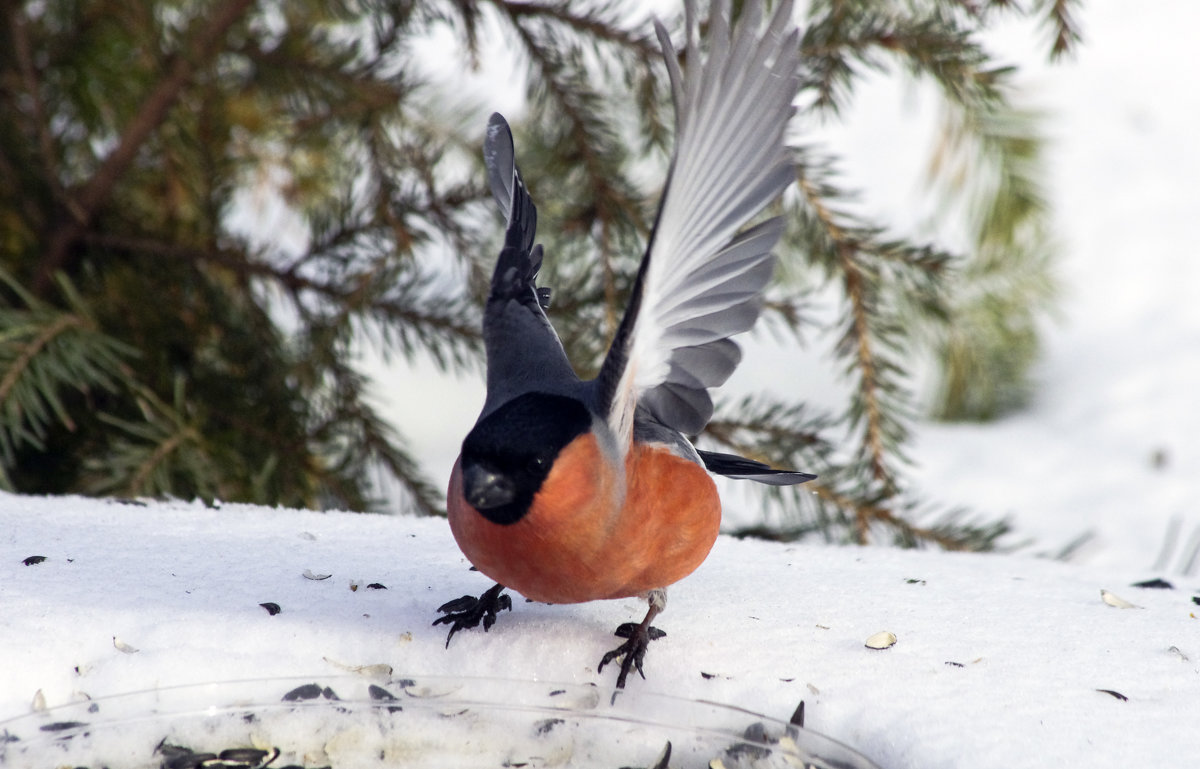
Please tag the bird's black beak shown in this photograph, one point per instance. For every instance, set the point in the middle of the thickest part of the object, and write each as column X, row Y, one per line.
column 485, row 489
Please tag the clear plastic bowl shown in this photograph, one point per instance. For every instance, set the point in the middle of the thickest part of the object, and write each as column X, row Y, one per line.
column 417, row 721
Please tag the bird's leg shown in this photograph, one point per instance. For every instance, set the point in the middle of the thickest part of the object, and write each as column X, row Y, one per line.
column 633, row 651
column 469, row 611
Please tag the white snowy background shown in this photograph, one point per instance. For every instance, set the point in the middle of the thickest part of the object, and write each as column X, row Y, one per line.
column 1108, row 445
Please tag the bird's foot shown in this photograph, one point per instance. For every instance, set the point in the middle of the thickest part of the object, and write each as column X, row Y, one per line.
column 469, row 611
column 633, row 651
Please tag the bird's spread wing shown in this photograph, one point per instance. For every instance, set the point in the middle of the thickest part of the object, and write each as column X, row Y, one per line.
column 702, row 277
column 523, row 351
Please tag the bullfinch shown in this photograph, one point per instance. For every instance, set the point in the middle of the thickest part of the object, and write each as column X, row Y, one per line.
column 570, row 490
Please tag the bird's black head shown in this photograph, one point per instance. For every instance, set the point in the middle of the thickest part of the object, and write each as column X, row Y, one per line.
column 508, row 455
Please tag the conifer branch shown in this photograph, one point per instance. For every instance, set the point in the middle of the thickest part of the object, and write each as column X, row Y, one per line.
column 39, row 123
column 1061, row 20
column 20, row 366
column 44, row 352
column 162, row 453
column 987, row 172
column 790, row 436
column 602, row 23
column 867, row 514
column 878, row 277
column 151, row 114
column 858, row 335
column 139, row 482
column 933, row 42
column 443, row 327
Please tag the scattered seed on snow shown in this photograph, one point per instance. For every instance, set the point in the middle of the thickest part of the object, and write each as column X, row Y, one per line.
column 308, row 574
column 309, row 692
column 797, row 718
column 881, row 640
column 665, row 757
column 379, row 694
column 1176, row 650
column 751, row 751
column 429, row 692
column 379, row 669
column 271, row 607
column 39, row 702
column 376, row 586
column 790, row 751
column 121, row 646
column 181, row 757
column 33, row 560
column 305, row 692
column 249, row 756
column 1116, row 601
column 61, row 726
column 1111, row 693
column 1157, row 583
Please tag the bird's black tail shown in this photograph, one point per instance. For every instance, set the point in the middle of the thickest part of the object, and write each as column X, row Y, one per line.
column 733, row 466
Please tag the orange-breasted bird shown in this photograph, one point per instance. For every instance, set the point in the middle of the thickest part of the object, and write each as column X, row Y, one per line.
column 569, row 490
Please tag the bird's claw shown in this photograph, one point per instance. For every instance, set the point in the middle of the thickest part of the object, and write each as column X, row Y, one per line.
column 633, row 651
column 469, row 611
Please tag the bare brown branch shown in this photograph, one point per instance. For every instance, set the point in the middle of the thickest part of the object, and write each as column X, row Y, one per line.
column 41, row 124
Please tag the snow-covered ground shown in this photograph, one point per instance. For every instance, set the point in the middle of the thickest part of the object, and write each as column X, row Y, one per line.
column 1001, row 661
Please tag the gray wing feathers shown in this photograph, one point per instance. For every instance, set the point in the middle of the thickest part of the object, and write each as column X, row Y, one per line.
column 738, row 272
column 705, row 279
column 683, row 396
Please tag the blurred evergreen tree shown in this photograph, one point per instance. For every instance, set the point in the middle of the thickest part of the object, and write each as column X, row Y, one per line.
column 150, row 347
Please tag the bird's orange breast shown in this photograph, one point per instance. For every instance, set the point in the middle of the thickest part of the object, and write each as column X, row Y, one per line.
column 591, row 534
